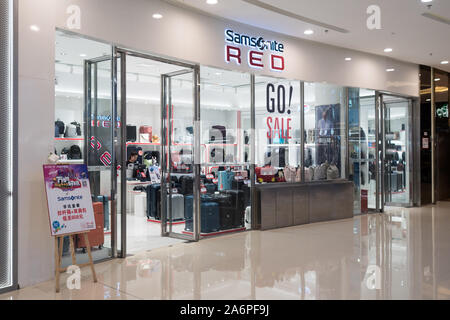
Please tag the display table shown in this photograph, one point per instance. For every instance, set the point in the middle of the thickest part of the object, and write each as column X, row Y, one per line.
column 282, row 205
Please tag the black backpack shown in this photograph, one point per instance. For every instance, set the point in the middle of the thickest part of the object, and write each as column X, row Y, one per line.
column 74, row 153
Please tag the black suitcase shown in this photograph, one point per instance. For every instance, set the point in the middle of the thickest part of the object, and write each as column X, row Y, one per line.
column 211, row 188
column 186, row 185
column 238, row 203
column 226, row 210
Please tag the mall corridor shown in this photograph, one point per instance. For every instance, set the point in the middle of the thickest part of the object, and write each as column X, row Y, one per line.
column 333, row 260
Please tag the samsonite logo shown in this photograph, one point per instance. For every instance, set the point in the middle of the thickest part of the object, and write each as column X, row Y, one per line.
column 257, row 45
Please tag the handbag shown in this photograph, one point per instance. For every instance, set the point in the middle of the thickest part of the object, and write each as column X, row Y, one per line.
column 332, row 172
column 290, row 174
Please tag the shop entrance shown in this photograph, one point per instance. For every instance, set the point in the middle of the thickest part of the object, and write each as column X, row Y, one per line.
column 156, row 102
column 396, row 125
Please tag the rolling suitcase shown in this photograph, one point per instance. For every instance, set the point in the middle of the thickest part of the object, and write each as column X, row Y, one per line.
column 210, row 217
column 177, row 207
column 225, row 180
column 238, row 204
column 187, row 185
column 105, row 201
column 211, row 187
column 226, row 210
column 97, row 236
column 188, row 212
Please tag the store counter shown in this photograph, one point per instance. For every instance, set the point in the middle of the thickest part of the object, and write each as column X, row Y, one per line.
column 282, row 205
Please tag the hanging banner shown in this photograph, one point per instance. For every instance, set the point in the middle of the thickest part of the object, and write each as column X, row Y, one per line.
column 69, row 199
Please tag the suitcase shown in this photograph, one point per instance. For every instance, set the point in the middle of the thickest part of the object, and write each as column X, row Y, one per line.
column 225, row 180
column 226, row 210
column 217, row 155
column 105, row 201
column 97, row 236
column 238, row 204
column 153, row 198
column 210, row 215
column 177, row 207
column 187, row 185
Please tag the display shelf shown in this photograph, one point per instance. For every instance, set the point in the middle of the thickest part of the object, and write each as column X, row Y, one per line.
column 142, row 144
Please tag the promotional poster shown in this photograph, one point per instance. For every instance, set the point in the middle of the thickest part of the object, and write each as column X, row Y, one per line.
column 69, row 199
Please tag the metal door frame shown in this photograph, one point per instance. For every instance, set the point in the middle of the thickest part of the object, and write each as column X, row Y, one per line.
column 166, row 155
column 122, row 53
column 381, row 150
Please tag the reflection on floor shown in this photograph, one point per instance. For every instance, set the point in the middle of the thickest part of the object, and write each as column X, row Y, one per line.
column 402, row 254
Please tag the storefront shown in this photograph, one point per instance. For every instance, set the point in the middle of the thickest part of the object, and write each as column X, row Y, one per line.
column 217, row 109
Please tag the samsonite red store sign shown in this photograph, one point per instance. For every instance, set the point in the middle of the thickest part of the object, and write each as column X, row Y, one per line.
column 260, row 54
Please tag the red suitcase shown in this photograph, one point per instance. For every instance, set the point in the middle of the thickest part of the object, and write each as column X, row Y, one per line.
column 97, row 236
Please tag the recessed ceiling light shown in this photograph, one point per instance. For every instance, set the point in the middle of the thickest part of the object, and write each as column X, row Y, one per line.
column 308, row 32
column 388, row 50
column 83, row 55
column 212, row 1
column 426, row 1
column 348, row 59
column 157, row 16
column 390, row 70
column 35, row 28
column 437, row 79
column 428, row 100
column 444, row 62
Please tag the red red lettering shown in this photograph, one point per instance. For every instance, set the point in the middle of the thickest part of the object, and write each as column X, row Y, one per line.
column 233, row 53
column 255, row 59
column 280, row 65
column 269, row 125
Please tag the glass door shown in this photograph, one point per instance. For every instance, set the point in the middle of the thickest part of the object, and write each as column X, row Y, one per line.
column 180, row 187
column 397, row 150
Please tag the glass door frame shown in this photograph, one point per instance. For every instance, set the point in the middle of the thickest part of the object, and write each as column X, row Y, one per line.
column 166, row 152
column 120, row 54
column 381, row 150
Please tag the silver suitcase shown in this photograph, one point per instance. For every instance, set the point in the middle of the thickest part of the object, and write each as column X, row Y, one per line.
column 177, row 207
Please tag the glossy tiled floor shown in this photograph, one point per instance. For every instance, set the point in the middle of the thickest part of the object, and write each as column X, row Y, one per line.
column 409, row 248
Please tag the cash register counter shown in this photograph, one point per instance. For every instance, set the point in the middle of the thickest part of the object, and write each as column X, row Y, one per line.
column 282, row 205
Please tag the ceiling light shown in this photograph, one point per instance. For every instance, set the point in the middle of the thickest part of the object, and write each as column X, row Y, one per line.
column 444, row 62
column 83, row 55
column 348, row 59
column 390, row 70
column 437, row 79
column 309, row 32
column 426, row 1
column 157, row 16
column 212, row 1
column 388, row 50
column 35, row 28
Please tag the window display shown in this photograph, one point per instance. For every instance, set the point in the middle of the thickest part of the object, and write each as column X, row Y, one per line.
column 325, row 138
column 226, row 146
column 278, row 133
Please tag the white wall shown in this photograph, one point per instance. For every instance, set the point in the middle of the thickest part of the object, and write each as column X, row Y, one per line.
column 181, row 34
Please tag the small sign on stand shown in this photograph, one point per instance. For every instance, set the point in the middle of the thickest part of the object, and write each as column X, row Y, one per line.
column 70, row 210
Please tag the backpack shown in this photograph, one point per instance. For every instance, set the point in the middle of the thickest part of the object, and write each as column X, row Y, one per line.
column 59, row 128
column 78, row 127
column 74, row 153
column 71, row 131
column 332, row 172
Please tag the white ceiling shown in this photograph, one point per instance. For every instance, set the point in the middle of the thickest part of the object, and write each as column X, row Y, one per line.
column 413, row 37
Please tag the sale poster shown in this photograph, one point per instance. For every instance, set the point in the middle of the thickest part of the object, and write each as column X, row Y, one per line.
column 69, row 199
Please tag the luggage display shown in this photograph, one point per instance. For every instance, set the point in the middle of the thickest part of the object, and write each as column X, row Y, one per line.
column 97, row 236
